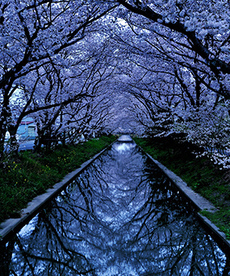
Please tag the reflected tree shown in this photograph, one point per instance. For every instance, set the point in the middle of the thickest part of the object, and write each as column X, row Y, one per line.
column 121, row 216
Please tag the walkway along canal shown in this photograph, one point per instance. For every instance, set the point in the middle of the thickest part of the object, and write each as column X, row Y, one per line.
column 120, row 216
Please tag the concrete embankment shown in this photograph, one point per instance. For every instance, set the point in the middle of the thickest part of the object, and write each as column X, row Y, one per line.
column 12, row 225
column 200, row 204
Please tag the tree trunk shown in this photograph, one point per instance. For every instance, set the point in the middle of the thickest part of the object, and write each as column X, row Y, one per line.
column 13, row 141
column 3, row 130
column 2, row 139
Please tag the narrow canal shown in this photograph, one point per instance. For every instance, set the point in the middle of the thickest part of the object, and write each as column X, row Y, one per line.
column 121, row 216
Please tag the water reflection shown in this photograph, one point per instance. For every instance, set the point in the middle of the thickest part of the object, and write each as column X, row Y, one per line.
column 120, row 217
column 123, row 147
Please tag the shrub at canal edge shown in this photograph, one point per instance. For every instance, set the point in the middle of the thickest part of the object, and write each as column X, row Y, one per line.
column 199, row 173
column 32, row 174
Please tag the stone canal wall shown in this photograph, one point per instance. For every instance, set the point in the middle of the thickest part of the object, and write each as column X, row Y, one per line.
column 12, row 225
column 200, row 203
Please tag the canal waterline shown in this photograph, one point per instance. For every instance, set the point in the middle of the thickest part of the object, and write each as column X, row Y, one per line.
column 121, row 216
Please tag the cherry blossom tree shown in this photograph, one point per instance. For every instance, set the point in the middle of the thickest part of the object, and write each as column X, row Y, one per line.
column 33, row 33
column 204, row 24
column 177, row 87
column 70, row 63
column 84, row 106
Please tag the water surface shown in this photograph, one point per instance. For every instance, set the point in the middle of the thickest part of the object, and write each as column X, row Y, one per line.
column 121, row 216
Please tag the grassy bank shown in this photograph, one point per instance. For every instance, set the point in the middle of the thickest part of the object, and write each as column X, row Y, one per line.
column 199, row 173
column 32, row 174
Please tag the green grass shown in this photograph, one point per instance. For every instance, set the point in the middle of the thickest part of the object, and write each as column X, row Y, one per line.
column 199, row 173
column 221, row 219
column 32, row 174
